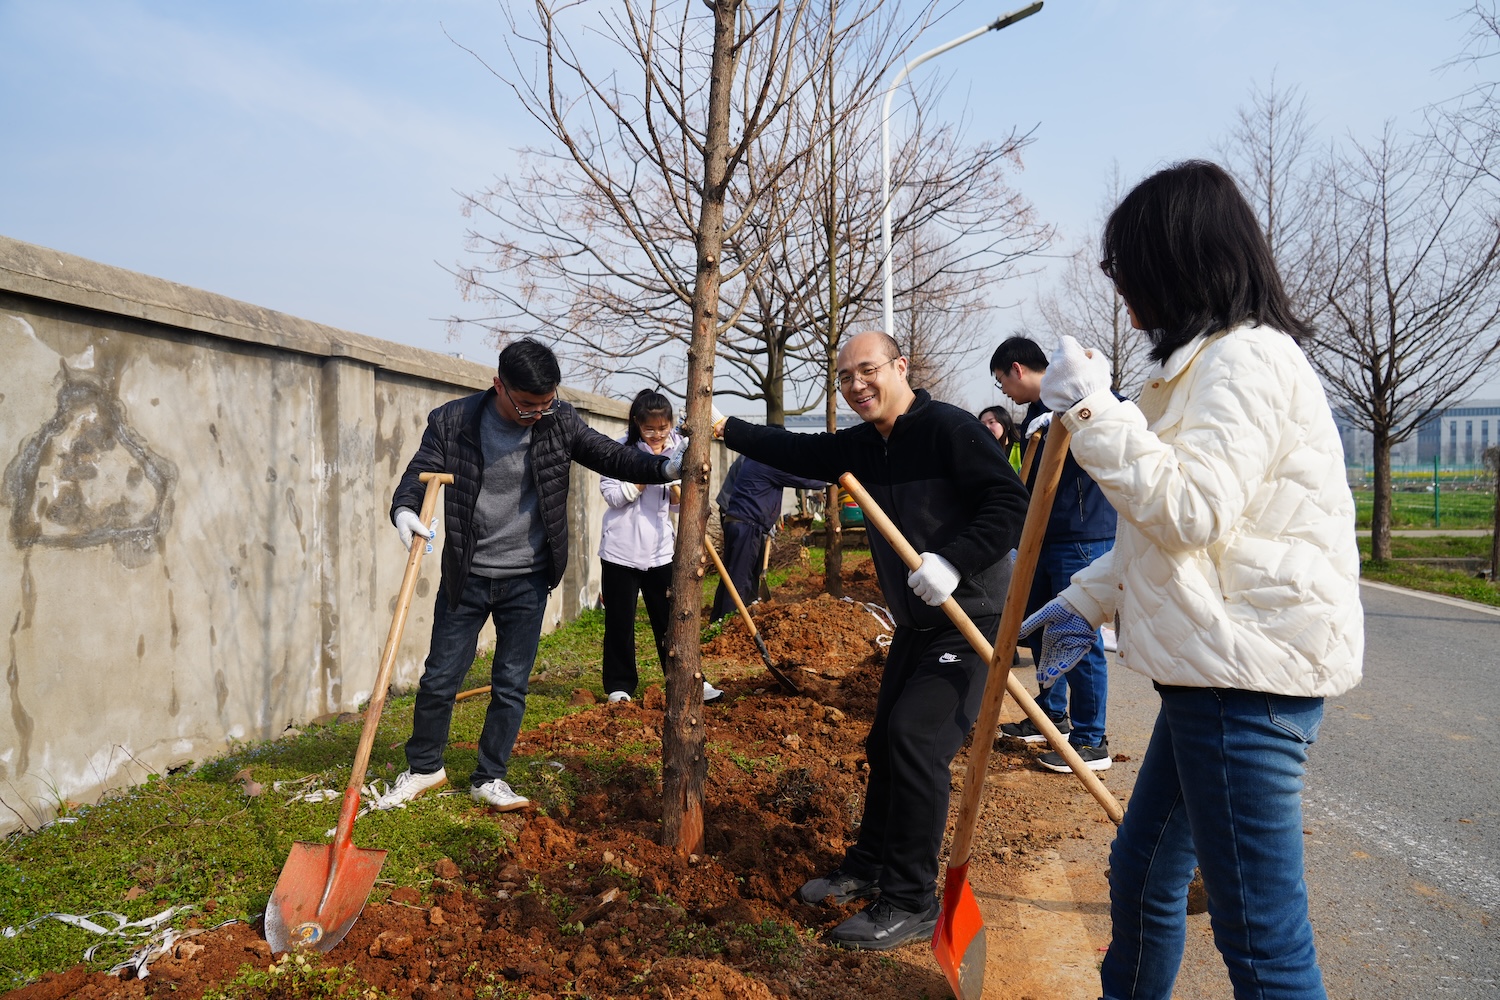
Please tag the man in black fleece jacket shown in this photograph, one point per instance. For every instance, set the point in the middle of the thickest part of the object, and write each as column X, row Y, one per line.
column 942, row 478
column 510, row 450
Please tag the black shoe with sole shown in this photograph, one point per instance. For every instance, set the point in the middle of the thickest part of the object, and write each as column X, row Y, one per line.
column 1027, row 732
column 1097, row 758
column 837, row 888
column 882, row 925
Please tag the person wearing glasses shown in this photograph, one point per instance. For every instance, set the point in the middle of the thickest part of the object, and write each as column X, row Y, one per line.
column 1080, row 529
column 1235, row 574
column 636, row 540
column 943, row 478
column 510, row 450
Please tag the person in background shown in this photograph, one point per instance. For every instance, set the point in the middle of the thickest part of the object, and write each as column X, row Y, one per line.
column 749, row 507
column 944, row 480
column 636, row 541
column 1235, row 576
column 1080, row 530
column 1003, row 426
column 510, row 450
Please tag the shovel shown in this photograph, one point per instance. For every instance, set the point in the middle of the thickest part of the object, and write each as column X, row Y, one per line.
column 760, row 644
column 323, row 888
column 958, row 941
column 1030, row 455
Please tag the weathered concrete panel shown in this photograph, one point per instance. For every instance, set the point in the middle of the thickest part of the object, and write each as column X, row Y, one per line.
column 197, row 548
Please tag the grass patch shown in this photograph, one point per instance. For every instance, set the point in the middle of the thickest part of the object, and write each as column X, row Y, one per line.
column 299, row 977
column 1456, row 509
column 1434, row 581
column 1436, row 547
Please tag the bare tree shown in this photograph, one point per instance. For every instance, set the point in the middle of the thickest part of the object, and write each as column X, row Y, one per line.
column 1084, row 304
column 614, row 237
column 1270, row 151
column 1410, row 291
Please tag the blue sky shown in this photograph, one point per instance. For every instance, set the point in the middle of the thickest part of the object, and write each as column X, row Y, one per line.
column 306, row 155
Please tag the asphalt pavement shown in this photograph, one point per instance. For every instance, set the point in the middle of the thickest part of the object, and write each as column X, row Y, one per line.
column 1401, row 811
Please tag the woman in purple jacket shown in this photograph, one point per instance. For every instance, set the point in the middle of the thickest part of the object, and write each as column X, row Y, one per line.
column 635, row 551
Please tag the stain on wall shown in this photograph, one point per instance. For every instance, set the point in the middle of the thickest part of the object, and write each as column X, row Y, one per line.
column 87, row 478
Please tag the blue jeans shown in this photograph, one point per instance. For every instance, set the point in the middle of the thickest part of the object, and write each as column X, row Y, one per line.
column 517, row 604
column 1220, row 787
column 1087, row 684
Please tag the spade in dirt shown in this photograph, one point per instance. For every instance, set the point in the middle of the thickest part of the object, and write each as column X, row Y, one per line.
column 323, row 888
column 778, row 672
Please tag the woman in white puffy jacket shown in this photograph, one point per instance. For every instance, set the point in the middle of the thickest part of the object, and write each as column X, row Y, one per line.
column 1234, row 575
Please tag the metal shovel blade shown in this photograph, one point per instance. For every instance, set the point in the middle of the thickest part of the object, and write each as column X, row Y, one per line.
column 321, row 892
column 958, row 940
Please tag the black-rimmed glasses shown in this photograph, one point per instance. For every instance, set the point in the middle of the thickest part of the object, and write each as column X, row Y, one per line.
column 528, row 414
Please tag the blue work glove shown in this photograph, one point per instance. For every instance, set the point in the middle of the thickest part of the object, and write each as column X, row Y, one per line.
column 1066, row 637
column 672, row 468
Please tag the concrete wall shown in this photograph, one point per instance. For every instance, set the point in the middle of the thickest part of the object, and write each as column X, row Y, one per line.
column 199, row 549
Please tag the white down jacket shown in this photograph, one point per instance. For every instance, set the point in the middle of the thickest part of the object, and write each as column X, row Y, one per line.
column 1235, row 562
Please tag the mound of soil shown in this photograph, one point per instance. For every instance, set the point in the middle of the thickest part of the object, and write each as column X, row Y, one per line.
column 584, row 901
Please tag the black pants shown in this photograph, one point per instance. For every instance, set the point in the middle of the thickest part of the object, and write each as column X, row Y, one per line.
column 929, row 700
column 744, row 548
column 619, row 586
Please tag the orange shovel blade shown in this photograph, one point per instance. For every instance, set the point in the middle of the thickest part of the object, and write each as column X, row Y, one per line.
column 958, row 940
column 315, row 902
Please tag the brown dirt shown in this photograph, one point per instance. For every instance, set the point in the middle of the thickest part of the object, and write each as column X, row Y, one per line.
column 585, row 902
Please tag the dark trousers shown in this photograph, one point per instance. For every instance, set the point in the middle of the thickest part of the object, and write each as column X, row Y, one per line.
column 518, row 605
column 744, row 547
column 929, row 700
column 619, row 586
column 1086, row 687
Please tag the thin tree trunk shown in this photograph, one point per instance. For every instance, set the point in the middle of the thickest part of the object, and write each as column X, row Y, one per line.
column 833, row 538
column 1380, row 516
column 684, row 766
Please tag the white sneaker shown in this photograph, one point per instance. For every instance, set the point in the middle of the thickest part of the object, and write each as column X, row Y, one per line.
column 615, row 697
column 711, row 694
column 498, row 794
column 408, row 786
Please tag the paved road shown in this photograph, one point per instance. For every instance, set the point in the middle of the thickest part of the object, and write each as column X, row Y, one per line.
column 1402, row 810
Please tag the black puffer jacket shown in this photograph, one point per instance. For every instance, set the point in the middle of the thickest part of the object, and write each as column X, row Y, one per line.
column 451, row 444
column 943, row 479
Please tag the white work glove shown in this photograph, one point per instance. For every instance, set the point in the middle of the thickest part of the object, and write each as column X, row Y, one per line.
column 1066, row 638
column 1072, row 374
column 673, row 467
column 1039, row 424
column 935, row 580
column 716, row 421
column 409, row 524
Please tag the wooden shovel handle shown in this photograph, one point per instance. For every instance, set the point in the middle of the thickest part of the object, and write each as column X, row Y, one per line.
column 999, row 655
column 1030, row 455
column 434, row 480
column 729, row 586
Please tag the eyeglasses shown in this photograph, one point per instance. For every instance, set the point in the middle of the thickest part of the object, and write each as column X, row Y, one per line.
column 1107, row 265
column 529, row 414
column 865, row 373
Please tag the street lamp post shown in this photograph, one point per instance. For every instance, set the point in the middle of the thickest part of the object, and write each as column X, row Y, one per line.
column 885, row 142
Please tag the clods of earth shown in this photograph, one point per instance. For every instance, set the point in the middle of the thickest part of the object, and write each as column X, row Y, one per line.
column 582, row 901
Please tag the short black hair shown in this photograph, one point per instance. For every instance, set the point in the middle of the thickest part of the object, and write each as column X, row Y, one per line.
column 530, row 366
column 1018, row 349
column 1189, row 256
column 647, row 403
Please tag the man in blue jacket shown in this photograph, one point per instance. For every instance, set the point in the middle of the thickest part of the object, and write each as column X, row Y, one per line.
column 749, row 507
column 1080, row 530
column 943, row 478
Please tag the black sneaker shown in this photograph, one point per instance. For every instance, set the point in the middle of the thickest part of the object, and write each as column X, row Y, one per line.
column 1027, row 732
column 882, row 925
column 837, row 888
column 1097, row 758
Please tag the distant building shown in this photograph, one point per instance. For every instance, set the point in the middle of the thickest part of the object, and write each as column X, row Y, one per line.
column 1457, row 436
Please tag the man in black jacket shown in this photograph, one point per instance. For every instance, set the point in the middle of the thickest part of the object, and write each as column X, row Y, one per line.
column 943, row 479
column 510, row 450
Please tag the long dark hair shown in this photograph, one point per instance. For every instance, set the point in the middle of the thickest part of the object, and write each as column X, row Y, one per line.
column 647, row 403
column 1185, row 250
